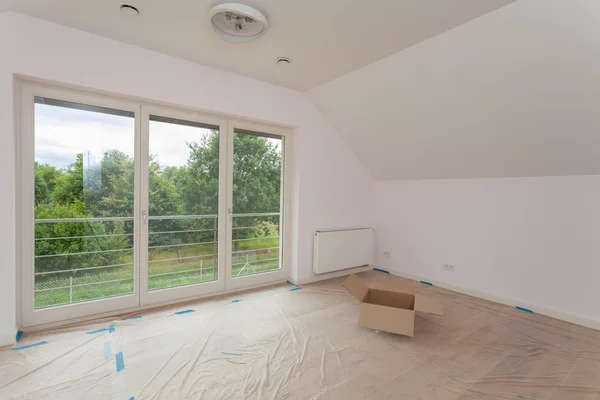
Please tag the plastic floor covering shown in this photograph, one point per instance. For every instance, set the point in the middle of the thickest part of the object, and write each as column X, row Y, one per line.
column 305, row 344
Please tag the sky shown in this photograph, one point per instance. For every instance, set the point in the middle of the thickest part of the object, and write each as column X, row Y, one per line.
column 61, row 133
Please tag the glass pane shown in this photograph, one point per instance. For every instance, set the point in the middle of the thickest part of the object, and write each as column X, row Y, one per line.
column 184, row 202
column 257, row 172
column 84, row 174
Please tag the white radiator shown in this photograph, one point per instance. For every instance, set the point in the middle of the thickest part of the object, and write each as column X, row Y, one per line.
column 337, row 249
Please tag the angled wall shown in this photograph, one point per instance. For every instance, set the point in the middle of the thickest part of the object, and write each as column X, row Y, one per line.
column 511, row 93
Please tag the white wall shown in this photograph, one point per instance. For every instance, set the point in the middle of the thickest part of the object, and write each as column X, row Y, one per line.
column 534, row 240
column 514, row 93
column 330, row 186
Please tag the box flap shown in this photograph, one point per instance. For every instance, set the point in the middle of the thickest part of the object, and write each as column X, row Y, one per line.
column 428, row 305
column 391, row 287
column 357, row 287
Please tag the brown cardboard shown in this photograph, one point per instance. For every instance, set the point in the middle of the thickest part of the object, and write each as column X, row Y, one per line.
column 388, row 319
column 388, row 306
column 357, row 287
column 428, row 305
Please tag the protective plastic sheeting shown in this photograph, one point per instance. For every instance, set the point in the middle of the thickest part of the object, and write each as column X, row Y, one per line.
column 306, row 344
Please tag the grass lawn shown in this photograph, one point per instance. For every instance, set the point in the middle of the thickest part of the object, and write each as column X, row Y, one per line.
column 175, row 270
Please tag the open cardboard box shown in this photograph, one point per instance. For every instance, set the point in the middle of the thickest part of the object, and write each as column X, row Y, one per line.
column 388, row 306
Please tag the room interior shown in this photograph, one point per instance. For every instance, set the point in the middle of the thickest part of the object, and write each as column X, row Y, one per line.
column 461, row 135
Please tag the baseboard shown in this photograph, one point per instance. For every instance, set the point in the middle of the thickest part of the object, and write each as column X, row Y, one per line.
column 8, row 338
column 572, row 318
column 322, row 277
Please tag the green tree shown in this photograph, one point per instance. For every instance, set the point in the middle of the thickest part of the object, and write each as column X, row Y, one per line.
column 75, row 237
column 45, row 180
column 105, row 188
column 164, row 200
column 256, row 181
column 42, row 193
column 108, row 185
column 68, row 187
column 256, row 175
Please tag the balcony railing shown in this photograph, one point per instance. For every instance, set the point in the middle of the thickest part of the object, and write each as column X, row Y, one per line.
column 182, row 250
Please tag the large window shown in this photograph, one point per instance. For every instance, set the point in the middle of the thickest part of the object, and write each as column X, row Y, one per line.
column 184, row 202
column 257, row 178
column 126, row 204
column 84, row 189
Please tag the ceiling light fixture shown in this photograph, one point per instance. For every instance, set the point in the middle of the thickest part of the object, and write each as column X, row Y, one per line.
column 130, row 10
column 238, row 23
column 283, row 61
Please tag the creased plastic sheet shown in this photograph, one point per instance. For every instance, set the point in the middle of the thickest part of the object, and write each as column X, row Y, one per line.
column 305, row 344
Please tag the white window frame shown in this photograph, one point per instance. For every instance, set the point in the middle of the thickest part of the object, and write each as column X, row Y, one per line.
column 28, row 317
column 197, row 289
column 269, row 276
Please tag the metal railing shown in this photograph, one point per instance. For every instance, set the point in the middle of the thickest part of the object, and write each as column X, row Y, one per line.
column 68, row 290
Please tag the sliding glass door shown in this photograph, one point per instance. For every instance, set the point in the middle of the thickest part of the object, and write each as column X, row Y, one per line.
column 124, row 204
column 256, row 204
column 185, row 182
column 78, row 177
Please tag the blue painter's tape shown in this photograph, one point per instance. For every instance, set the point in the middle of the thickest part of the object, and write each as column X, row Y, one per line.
column 426, row 283
column 184, row 312
column 119, row 361
column 132, row 398
column 29, row 345
column 292, row 283
column 19, row 334
column 107, row 350
column 135, row 317
column 235, row 301
column 381, row 270
column 111, row 328
column 296, row 288
column 524, row 309
column 98, row 331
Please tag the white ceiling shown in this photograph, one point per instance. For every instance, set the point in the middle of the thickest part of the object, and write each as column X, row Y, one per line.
column 324, row 38
column 513, row 93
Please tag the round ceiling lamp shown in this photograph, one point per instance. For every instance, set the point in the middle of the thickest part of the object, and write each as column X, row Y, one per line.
column 130, row 10
column 238, row 23
column 283, row 61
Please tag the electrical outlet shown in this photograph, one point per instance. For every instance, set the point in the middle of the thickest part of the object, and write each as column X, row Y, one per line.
column 387, row 254
column 449, row 267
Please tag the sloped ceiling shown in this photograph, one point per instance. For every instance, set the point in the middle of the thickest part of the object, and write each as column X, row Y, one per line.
column 324, row 38
column 513, row 93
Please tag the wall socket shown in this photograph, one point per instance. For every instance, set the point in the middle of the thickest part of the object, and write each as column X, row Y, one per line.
column 449, row 267
column 387, row 254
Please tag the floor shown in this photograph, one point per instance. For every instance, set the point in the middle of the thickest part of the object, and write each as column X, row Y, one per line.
column 289, row 343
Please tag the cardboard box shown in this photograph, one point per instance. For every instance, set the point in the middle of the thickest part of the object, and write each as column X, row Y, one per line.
column 389, row 306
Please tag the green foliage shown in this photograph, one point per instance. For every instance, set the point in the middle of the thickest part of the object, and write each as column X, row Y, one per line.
column 69, row 185
column 108, row 189
column 105, row 188
column 76, row 237
column 200, row 183
column 256, row 175
column 45, row 180
column 42, row 193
